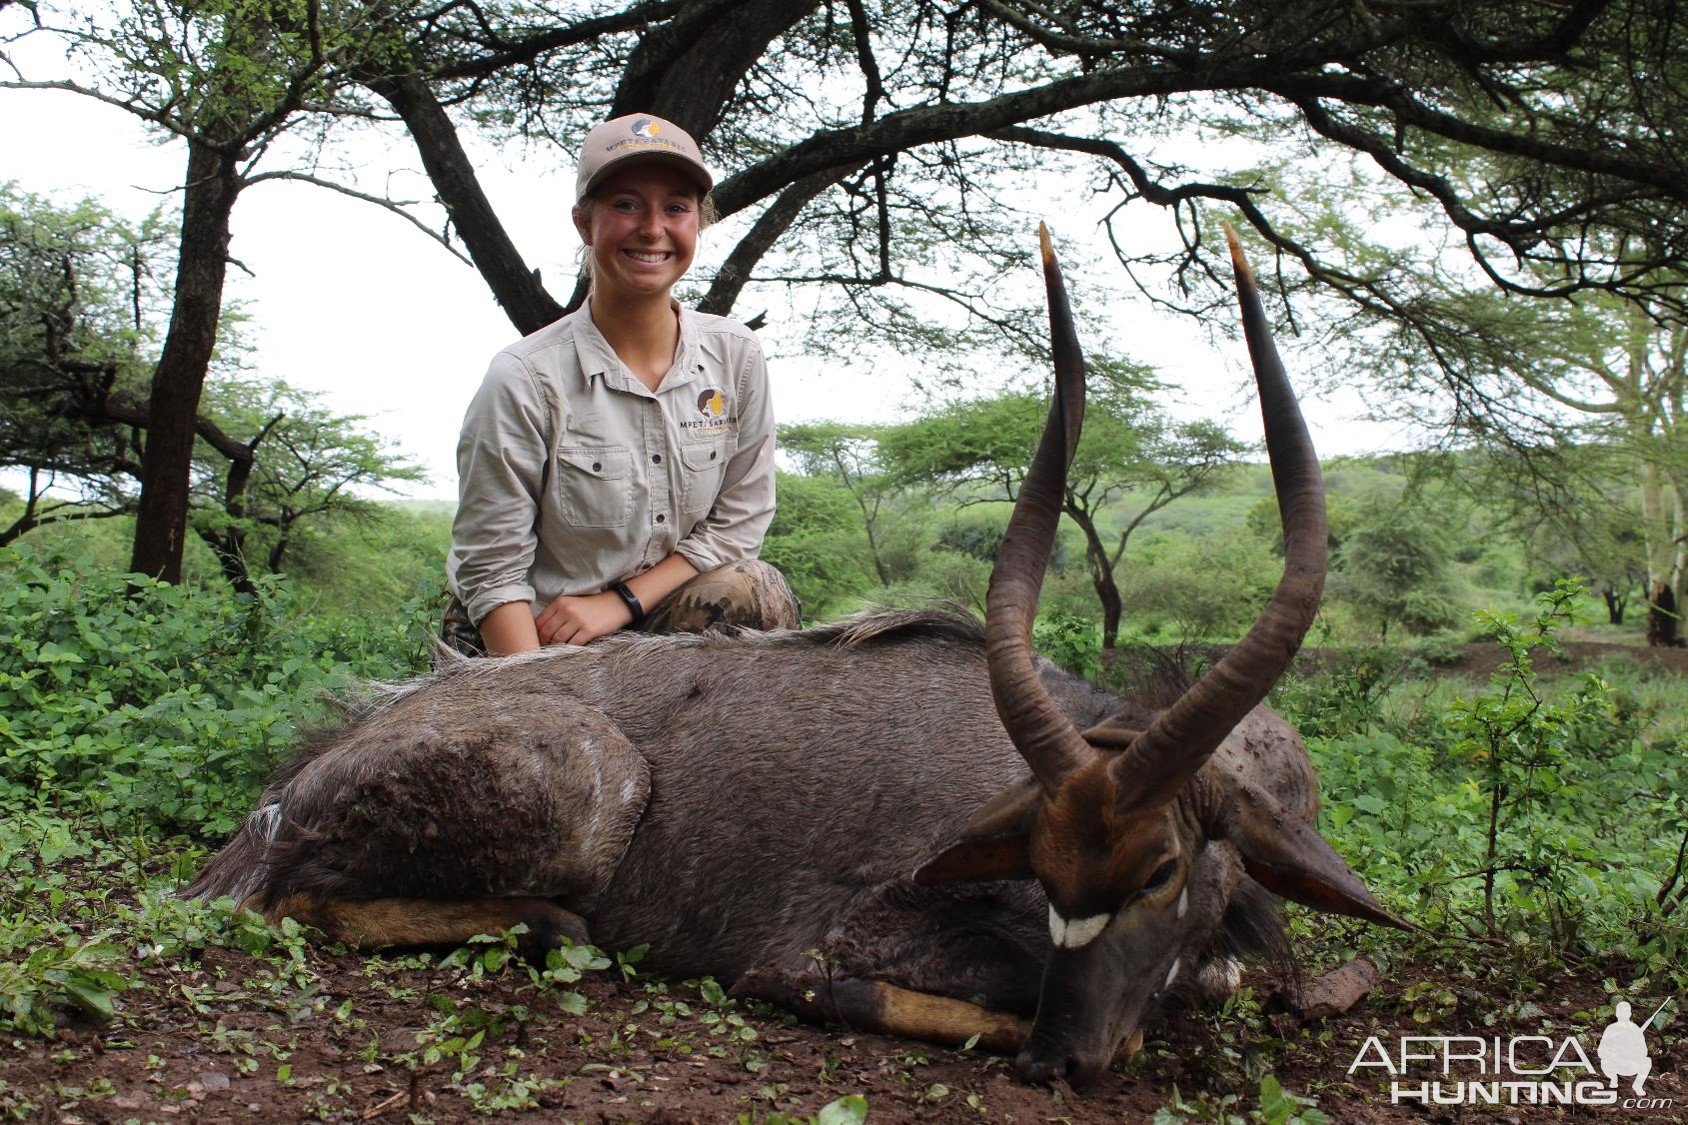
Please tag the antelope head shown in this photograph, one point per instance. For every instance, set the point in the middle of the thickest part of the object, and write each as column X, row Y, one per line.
column 1117, row 821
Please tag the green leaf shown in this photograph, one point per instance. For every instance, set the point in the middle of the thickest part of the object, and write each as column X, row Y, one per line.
column 848, row 1110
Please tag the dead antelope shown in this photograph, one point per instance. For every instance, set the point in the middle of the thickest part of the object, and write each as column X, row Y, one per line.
column 968, row 835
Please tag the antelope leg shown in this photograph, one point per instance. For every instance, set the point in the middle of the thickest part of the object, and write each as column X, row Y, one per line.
column 871, row 1005
column 375, row 923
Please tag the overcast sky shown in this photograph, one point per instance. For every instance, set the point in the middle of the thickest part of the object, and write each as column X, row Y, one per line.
column 352, row 301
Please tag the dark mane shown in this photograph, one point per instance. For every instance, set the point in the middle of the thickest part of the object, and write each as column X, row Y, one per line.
column 889, row 626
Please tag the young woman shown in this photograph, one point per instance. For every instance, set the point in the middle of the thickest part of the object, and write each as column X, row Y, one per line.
column 617, row 467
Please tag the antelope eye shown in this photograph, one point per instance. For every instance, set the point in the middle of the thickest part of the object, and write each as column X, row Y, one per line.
column 1161, row 876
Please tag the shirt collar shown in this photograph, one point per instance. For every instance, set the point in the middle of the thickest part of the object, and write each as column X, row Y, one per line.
column 598, row 360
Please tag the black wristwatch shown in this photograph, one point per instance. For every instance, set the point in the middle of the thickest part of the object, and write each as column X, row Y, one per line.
column 633, row 606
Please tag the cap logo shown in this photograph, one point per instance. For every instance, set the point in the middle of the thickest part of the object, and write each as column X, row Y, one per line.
column 645, row 127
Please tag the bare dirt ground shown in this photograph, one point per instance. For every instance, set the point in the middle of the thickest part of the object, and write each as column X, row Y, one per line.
column 231, row 1038
column 1479, row 660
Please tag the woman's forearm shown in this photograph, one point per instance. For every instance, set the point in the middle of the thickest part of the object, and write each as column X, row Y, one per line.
column 510, row 629
column 651, row 586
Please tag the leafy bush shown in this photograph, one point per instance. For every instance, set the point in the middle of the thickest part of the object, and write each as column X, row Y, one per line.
column 166, row 704
column 1542, row 819
column 1070, row 640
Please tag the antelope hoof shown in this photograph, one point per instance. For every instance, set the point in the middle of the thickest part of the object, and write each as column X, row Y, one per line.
column 548, row 926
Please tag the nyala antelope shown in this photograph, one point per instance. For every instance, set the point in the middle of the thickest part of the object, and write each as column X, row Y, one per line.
column 975, row 842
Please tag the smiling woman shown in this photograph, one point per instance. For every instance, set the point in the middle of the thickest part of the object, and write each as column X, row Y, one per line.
column 622, row 457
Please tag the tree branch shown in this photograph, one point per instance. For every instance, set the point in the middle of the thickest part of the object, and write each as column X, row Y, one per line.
column 397, row 207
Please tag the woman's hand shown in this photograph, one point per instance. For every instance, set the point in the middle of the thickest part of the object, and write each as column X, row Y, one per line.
column 571, row 620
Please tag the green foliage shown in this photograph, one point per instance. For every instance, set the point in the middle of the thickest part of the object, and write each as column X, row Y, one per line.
column 81, row 314
column 1130, row 455
column 79, row 305
column 1192, row 588
column 1394, row 568
column 75, row 973
column 159, row 705
column 817, row 541
column 1069, row 640
column 1547, row 819
column 848, row 1110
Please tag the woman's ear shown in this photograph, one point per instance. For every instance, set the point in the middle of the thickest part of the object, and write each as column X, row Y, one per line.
column 582, row 216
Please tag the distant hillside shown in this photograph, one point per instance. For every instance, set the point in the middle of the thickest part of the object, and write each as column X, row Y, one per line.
column 445, row 508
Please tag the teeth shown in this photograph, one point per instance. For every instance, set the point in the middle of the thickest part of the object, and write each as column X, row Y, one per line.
column 648, row 256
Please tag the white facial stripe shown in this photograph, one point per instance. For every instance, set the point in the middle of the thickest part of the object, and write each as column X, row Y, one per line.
column 1172, row 974
column 1183, row 901
column 1078, row 933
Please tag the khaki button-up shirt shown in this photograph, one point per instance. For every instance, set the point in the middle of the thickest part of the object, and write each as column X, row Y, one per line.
column 573, row 475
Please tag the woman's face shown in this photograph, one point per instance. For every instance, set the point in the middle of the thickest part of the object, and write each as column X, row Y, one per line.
column 640, row 226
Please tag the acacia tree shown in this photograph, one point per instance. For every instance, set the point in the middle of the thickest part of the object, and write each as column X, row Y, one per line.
column 228, row 79
column 1577, row 514
column 848, row 453
column 1130, row 458
column 869, row 149
column 309, row 468
column 871, row 140
column 1627, row 375
column 81, row 302
column 1577, row 416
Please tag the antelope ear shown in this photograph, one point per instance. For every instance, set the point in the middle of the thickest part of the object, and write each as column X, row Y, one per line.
column 1289, row 858
column 996, row 844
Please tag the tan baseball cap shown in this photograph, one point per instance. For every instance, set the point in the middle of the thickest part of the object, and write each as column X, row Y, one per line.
column 638, row 136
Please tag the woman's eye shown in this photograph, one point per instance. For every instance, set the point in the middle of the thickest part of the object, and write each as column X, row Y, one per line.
column 1162, row 874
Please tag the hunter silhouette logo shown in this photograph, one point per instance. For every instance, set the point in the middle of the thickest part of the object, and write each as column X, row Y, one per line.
column 645, row 127
column 710, row 404
column 1623, row 1046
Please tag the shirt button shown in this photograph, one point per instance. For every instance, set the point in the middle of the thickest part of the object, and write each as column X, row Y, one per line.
column 597, row 466
column 660, row 518
column 656, row 458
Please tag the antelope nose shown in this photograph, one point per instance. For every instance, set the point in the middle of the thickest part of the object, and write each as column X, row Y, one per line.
column 1042, row 1071
column 1039, row 1070
column 1059, row 1066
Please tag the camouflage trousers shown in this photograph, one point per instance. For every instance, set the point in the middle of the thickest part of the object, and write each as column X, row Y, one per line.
column 749, row 594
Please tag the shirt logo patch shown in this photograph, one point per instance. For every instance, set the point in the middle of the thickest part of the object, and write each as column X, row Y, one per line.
column 711, row 405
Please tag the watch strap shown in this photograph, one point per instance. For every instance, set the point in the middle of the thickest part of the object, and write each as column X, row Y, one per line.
column 632, row 600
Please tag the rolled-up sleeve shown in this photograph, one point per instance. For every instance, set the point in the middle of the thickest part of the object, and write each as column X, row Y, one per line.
column 501, row 472
column 744, row 507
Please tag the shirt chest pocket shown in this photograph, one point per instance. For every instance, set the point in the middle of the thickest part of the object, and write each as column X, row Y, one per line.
column 595, row 485
column 703, row 464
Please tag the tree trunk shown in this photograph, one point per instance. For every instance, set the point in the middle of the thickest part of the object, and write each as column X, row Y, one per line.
column 162, row 515
column 1101, row 574
column 1660, row 508
column 1663, row 625
column 515, row 287
column 685, row 70
column 229, row 544
column 1615, row 604
column 689, row 68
